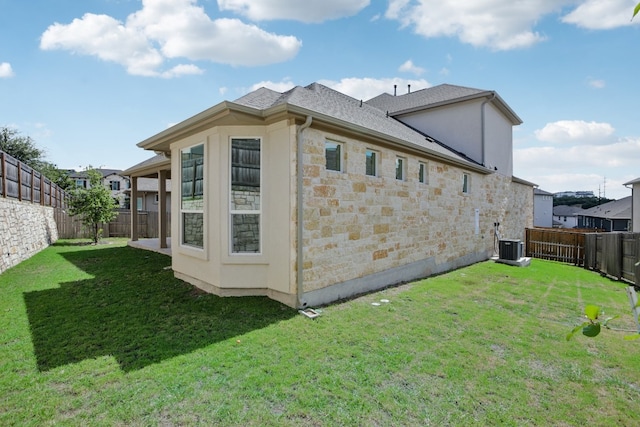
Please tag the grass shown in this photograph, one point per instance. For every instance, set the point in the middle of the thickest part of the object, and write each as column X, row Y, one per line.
column 104, row 335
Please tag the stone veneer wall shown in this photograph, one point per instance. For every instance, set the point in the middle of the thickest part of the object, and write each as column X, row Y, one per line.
column 25, row 229
column 358, row 225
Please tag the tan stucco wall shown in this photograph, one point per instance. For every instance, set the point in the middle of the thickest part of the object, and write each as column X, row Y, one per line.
column 214, row 268
column 357, row 225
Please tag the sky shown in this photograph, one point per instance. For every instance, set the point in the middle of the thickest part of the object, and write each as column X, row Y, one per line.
column 87, row 80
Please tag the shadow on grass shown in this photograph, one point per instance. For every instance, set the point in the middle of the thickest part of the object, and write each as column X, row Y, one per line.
column 136, row 311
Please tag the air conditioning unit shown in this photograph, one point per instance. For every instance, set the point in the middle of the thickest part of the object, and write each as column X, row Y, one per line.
column 510, row 249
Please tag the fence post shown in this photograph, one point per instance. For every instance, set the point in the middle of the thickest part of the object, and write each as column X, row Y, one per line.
column 3, row 158
column 19, row 180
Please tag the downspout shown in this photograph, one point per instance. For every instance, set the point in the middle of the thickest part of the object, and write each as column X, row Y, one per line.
column 482, row 120
column 300, row 209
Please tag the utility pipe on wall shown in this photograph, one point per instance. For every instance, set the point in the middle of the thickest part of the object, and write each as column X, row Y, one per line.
column 300, row 209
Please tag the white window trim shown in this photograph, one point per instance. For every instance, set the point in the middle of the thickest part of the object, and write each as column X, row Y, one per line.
column 258, row 212
column 341, row 145
column 185, row 248
column 376, row 162
column 425, row 172
column 466, row 183
column 403, row 168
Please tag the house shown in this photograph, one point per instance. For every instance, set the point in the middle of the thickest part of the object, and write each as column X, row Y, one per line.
column 578, row 194
column 542, row 208
column 635, row 204
column 565, row 216
column 611, row 216
column 148, row 194
column 310, row 196
column 113, row 179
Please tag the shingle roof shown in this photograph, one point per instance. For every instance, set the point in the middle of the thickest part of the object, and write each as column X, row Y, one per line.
column 321, row 99
column 540, row 192
column 435, row 96
column 566, row 210
column 617, row 209
column 422, row 98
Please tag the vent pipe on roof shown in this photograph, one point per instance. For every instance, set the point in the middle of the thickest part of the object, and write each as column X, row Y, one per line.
column 395, row 90
column 408, row 88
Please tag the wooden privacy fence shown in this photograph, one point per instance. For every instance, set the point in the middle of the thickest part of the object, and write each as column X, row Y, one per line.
column 555, row 245
column 614, row 254
column 21, row 182
column 71, row 227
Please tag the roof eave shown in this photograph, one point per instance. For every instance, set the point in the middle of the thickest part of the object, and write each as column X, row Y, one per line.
column 225, row 110
column 501, row 105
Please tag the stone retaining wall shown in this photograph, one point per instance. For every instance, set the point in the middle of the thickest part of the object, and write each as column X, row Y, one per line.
column 25, row 229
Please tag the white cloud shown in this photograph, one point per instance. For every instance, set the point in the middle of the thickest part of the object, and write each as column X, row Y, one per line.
column 497, row 24
column 5, row 70
column 583, row 167
column 165, row 29
column 309, row 11
column 596, row 83
column 281, row 86
column 577, row 131
column 410, row 67
column 601, row 14
column 366, row 88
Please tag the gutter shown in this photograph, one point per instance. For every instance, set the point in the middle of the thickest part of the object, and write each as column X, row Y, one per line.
column 482, row 124
column 300, row 210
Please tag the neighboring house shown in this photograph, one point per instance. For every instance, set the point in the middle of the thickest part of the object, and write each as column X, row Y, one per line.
column 566, row 216
column 113, row 179
column 574, row 194
column 611, row 216
column 542, row 208
column 635, row 204
column 148, row 196
column 310, row 196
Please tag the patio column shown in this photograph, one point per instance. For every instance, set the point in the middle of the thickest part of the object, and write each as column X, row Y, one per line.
column 162, row 207
column 133, row 205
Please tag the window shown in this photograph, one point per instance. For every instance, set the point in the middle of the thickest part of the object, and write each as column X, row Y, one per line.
column 333, row 155
column 423, row 173
column 400, row 163
column 81, row 183
column 192, row 195
column 371, row 163
column 114, row 185
column 156, row 198
column 139, row 203
column 245, row 205
column 465, row 183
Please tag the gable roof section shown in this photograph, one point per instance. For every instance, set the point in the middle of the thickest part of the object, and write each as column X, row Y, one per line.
column 438, row 96
column 567, row 210
column 617, row 209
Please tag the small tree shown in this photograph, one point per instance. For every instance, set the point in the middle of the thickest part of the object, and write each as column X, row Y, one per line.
column 94, row 205
column 21, row 147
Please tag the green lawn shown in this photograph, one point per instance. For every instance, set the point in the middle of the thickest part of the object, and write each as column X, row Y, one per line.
column 104, row 335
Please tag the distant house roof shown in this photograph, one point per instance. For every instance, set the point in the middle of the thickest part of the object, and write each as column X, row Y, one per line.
column 539, row 192
column 634, row 181
column 437, row 96
column 83, row 174
column 565, row 210
column 617, row 209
